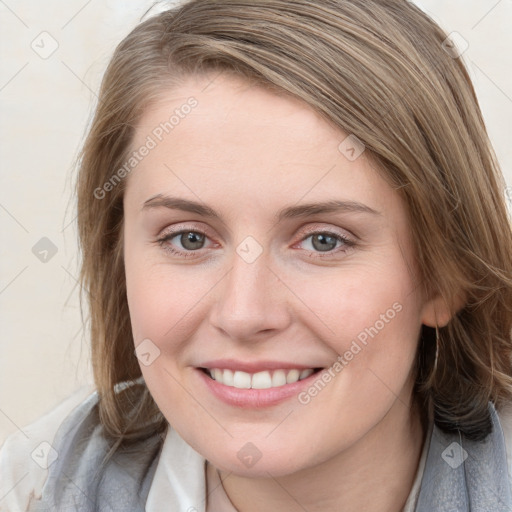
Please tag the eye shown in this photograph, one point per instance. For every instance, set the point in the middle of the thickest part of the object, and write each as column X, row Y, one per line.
column 327, row 242
column 183, row 242
column 188, row 242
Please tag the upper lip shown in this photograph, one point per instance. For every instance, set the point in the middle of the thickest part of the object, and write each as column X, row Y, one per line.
column 254, row 366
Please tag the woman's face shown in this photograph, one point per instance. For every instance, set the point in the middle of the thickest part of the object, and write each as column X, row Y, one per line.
column 259, row 249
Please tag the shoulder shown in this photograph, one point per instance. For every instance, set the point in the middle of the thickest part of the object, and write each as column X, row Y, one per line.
column 26, row 454
column 67, row 461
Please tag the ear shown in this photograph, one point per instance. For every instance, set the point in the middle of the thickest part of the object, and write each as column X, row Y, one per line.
column 437, row 312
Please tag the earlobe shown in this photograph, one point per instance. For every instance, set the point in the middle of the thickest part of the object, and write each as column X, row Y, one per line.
column 437, row 312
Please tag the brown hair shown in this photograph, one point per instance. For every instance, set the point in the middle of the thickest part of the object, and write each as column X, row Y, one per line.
column 376, row 69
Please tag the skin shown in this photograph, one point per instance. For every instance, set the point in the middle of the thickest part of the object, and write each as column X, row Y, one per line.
column 247, row 153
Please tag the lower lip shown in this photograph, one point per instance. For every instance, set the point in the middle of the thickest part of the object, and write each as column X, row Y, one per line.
column 255, row 398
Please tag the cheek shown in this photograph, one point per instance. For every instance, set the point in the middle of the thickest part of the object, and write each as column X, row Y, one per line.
column 157, row 307
column 150, row 299
column 164, row 301
column 352, row 301
column 371, row 318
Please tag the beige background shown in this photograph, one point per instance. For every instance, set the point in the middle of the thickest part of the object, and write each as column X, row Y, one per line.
column 46, row 105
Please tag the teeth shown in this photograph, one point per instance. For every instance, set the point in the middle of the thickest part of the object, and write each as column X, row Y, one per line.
column 241, row 380
column 292, row 376
column 227, row 377
column 260, row 380
column 306, row 373
column 279, row 378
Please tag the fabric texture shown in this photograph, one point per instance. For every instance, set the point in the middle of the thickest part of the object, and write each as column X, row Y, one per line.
column 464, row 475
column 459, row 475
column 77, row 480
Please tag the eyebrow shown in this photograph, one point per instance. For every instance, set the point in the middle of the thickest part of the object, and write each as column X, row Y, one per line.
column 295, row 211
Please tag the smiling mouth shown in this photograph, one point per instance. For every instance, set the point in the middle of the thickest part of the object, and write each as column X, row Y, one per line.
column 260, row 380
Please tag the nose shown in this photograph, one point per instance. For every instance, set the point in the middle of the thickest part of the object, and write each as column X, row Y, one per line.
column 251, row 301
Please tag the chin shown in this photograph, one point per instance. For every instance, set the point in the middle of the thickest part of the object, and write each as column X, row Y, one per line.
column 249, row 461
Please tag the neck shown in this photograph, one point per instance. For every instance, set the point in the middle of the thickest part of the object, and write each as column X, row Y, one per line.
column 375, row 475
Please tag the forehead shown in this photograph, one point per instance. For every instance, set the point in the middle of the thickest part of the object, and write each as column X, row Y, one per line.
column 230, row 140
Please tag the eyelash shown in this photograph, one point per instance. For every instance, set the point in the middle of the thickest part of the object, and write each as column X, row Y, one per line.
column 348, row 243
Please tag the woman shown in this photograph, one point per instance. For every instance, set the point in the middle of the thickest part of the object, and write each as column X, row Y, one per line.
column 298, row 264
